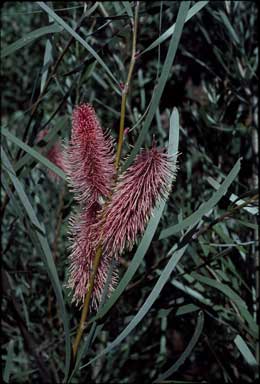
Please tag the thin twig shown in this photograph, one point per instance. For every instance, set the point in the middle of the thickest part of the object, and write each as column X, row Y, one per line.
column 126, row 89
column 54, row 247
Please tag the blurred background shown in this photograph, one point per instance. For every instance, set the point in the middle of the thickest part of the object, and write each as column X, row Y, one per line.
column 214, row 85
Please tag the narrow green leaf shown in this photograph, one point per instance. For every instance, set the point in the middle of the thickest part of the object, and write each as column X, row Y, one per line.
column 162, row 80
column 247, row 224
column 47, row 60
column 192, row 12
column 29, row 38
column 229, row 27
column 128, row 8
column 233, row 197
column 60, row 21
column 245, row 351
column 188, row 350
column 205, row 207
column 186, row 308
column 191, row 292
column 33, row 153
column 233, row 296
column 174, row 132
column 40, row 236
column 9, row 361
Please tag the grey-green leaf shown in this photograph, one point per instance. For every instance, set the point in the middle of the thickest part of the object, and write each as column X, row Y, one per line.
column 188, row 350
column 245, row 351
column 41, row 241
column 192, row 12
column 60, row 21
column 29, row 38
column 33, row 153
column 174, row 43
column 205, row 207
column 9, row 361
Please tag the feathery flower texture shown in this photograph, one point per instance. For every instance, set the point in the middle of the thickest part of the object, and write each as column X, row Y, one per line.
column 129, row 203
column 82, row 257
column 90, row 157
column 136, row 194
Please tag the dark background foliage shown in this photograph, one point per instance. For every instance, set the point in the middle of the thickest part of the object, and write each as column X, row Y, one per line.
column 214, row 85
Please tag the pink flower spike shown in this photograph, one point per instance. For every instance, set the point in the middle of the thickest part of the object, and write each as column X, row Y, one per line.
column 139, row 189
column 82, row 256
column 90, row 158
column 54, row 154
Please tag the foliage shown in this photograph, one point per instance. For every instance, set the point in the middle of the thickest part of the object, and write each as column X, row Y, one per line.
column 185, row 307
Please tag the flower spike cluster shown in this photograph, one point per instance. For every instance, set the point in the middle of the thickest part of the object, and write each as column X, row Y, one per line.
column 128, row 205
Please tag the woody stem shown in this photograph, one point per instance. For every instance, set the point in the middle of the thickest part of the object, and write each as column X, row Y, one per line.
column 126, row 89
column 86, row 306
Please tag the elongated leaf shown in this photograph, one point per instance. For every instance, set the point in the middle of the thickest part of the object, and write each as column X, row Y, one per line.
column 186, row 308
column 205, row 207
column 233, row 296
column 245, row 351
column 29, row 38
column 151, row 227
column 234, row 198
column 47, row 61
column 60, row 21
column 33, row 153
column 229, row 27
column 174, row 133
column 162, row 80
column 191, row 292
column 192, row 12
column 188, row 350
column 45, row 251
column 128, row 8
column 9, row 361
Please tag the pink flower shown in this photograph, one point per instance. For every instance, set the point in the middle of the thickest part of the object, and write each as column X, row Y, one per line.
column 54, row 154
column 90, row 159
column 82, row 256
column 116, row 224
column 136, row 194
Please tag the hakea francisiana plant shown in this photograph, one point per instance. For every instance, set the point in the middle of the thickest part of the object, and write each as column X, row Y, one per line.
column 129, row 203
column 89, row 158
column 54, row 154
